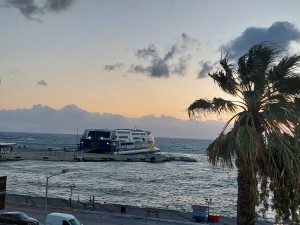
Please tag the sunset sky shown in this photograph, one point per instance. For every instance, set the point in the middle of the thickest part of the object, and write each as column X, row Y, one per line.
column 130, row 57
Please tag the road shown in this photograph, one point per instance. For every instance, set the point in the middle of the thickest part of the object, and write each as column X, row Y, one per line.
column 105, row 214
column 92, row 217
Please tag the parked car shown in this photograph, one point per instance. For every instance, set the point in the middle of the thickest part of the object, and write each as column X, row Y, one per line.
column 18, row 218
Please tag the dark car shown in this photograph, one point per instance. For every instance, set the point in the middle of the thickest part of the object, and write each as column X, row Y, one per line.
column 18, row 218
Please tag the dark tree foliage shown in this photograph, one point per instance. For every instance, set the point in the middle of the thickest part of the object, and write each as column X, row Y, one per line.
column 264, row 141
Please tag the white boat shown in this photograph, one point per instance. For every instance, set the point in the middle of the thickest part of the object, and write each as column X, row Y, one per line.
column 6, row 147
column 118, row 141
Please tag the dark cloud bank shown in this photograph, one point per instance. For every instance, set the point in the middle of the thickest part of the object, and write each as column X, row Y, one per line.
column 175, row 59
column 43, row 119
column 33, row 8
column 281, row 33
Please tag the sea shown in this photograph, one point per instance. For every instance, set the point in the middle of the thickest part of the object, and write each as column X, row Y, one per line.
column 176, row 184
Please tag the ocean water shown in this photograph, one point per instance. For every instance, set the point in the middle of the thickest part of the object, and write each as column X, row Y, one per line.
column 170, row 185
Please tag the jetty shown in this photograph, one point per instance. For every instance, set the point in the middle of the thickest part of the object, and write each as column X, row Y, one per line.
column 74, row 155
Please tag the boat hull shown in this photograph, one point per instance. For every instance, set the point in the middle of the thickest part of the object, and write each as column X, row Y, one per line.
column 124, row 151
column 137, row 151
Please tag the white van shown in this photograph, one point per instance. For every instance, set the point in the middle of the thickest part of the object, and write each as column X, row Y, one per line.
column 61, row 219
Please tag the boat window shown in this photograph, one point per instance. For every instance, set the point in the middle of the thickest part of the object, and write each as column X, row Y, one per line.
column 99, row 134
column 123, row 132
column 123, row 136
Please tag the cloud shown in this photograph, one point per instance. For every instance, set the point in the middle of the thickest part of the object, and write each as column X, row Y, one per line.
column 281, row 33
column 31, row 9
column 158, row 66
column 13, row 71
column 207, row 66
column 173, row 60
column 113, row 67
column 146, row 53
column 187, row 42
column 58, row 5
column 26, row 7
column 138, row 69
column 181, row 67
column 42, row 83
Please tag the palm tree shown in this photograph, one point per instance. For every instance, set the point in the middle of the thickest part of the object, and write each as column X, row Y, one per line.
column 263, row 143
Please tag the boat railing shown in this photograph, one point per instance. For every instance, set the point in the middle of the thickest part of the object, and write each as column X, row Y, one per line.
column 55, row 152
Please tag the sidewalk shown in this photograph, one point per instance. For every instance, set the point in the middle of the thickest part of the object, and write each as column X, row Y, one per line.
column 134, row 215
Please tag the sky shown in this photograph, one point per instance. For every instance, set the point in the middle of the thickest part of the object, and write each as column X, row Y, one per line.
column 130, row 57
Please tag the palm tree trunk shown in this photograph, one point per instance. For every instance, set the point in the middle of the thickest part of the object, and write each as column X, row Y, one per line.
column 246, row 197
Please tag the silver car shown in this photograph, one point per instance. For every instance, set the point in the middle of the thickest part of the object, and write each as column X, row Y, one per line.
column 18, row 218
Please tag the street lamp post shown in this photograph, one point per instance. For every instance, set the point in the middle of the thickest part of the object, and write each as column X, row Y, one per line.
column 71, row 188
column 208, row 201
column 46, row 199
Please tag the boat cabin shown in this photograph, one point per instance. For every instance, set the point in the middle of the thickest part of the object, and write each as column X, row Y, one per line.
column 112, row 140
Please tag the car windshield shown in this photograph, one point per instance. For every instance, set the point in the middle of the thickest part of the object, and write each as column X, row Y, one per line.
column 74, row 222
column 23, row 216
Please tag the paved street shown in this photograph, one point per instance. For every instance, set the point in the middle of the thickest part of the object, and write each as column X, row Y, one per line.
column 92, row 217
column 104, row 214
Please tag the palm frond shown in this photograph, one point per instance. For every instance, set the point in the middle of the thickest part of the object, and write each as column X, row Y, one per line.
column 281, row 115
column 284, row 68
column 283, row 155
column 288, row 85
column 285, row 77
column 222, row 150
column 274, row 112
column 227, row 84
column 284, row 170
column 221, row 105
column 270, row 98
column 297, row 101
column 200, row 106
column 225, row 78
column 248, row 143
column 255, row 65
column 217, row 105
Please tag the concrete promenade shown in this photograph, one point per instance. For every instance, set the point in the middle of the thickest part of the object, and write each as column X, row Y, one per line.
column 73, row 155
column 106, row 214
